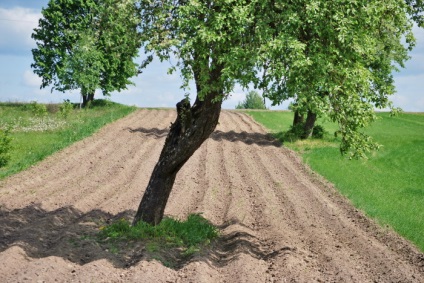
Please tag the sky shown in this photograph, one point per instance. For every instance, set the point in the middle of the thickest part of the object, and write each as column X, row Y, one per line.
column 153, row 88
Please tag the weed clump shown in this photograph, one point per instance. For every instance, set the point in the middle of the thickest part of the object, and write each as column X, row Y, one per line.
column 188, row 235
column 297, row 132
column 5, row 146
column 66, row 108
column 38, row 110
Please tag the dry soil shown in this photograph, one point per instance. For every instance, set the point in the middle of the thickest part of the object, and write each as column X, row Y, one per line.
column 279, row 222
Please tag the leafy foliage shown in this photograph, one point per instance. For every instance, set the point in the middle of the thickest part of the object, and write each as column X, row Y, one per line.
column 38, row 110
column 348, row 53
column 253, row 101
column 5, row 146
column 334, row 58
column 87, row 44
column 318, row 132
column 296, row 132
column 66, row 108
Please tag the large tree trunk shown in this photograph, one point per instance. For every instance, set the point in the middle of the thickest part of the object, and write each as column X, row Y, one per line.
column 87, row 97
column 191, row 128
column 309, row 124
column 298, row 118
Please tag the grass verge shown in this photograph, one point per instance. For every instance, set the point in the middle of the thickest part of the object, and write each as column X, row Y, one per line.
column 38, row 130
column 389, row 186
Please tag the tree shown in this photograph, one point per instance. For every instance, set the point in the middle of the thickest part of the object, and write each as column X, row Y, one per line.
column 352, row 52
column 342, row 48
column 301, row 125
column 87, row 45
column 253, row 101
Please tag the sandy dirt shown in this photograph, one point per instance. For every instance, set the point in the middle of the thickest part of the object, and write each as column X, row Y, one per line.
column 279, row 221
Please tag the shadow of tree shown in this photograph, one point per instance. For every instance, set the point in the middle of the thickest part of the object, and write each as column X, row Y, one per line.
column 247, row 138
column 229, row 247
column 153, row 132
column 72, row 234
column 232, row 136
column 65, row 232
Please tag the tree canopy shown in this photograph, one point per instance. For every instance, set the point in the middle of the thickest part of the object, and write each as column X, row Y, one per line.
column 350, row 50
column 335, row 56
column 253, row 100
column 87, row 45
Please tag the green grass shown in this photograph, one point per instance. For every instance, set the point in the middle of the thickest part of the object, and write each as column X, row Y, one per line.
column 189, row 235
column 35, row 136
column 389, row 186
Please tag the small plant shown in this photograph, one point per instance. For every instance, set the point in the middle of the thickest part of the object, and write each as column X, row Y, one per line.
column 318, row 132
column 39, row 110
column 65, row 108
column 189, row 234
column 253, row 101
column 5, row 146
column 296, row 131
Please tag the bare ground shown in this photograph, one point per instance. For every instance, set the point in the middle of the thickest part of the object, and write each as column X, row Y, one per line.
column 279, row 221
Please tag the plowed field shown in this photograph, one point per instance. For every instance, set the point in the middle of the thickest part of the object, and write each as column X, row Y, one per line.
column 279, row 221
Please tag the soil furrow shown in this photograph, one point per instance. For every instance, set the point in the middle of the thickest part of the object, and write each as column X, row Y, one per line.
column 326, row 229
column 217, row 196
column 279, row 222
column 111, row 187
column 250, row 125
column 187, row 191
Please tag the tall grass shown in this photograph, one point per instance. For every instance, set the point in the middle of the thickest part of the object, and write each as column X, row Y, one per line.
column 35, row 135
column 389, row 186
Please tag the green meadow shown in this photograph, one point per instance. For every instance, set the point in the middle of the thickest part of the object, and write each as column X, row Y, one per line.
column 38, row 130
column 388, row 186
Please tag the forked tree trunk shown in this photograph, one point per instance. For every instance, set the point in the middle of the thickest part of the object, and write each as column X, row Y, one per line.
column 298, row 118
column 87, row 97
column 309, row 124
column 191, row 128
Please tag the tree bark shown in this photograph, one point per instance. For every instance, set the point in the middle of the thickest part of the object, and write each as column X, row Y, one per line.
column 87, row 97
column 298, row 118
column 191, row 128
column 309, row 124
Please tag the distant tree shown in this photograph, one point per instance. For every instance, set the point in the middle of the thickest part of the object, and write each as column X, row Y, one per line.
column 304, row 127
column 253, row 101
column 351, row 50
column 87, row 45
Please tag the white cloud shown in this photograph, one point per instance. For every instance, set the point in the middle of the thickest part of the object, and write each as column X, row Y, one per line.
column 410, row 95
column 30, row 79
column 16, row 27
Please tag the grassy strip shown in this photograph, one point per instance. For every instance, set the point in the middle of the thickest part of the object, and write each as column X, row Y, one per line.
column 389, row 186
column 189, row 235
column 38, row 135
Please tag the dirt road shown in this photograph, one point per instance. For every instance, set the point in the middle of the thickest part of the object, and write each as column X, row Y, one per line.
column 279, row 222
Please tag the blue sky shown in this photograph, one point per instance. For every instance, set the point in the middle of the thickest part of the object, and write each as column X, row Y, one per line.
column 154, row 88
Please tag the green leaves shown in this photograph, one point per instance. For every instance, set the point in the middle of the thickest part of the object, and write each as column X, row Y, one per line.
column 87, row 44
column 5, row 146
column 334, row 57
column 351, row 48
column 253, row 101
